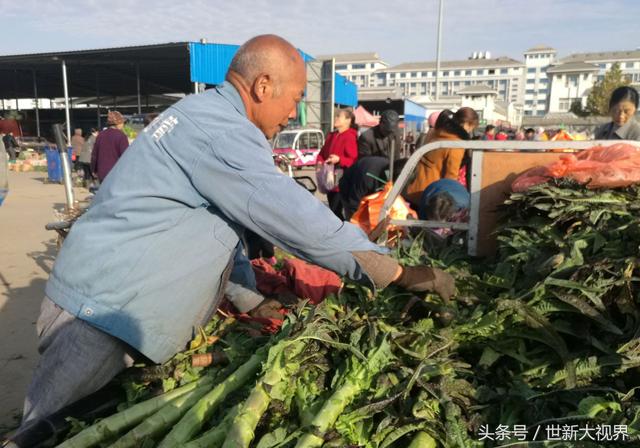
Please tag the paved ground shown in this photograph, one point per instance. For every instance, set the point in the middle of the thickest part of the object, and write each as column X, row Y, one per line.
column 27, row 252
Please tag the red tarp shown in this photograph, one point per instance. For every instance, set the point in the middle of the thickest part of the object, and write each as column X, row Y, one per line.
column 304, row 280
column 364, row 118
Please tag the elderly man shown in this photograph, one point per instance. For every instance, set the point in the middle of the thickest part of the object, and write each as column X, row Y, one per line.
column 147, row 262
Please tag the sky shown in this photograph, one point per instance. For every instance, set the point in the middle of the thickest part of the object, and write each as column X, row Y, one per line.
column 399, row 31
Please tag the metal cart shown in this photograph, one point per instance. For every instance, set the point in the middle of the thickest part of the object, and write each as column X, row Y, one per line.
column 494, row 165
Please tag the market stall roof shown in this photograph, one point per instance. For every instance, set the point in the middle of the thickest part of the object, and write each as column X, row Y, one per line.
column 163, row 68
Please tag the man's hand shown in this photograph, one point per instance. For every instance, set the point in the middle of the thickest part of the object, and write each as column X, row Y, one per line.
column 333, row 159
column 268, row 309
column 423, row 278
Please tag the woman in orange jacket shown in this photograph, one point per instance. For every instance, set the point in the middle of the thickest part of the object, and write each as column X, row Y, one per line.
column 443, row 163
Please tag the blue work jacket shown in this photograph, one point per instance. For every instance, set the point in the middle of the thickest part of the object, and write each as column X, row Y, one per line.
column 146, row 261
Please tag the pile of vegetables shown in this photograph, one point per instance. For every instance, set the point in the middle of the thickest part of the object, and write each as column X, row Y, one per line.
column 545, row 335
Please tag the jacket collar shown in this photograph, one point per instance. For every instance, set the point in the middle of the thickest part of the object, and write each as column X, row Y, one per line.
column 624, row 130
column 444, row 135
column 229, row 92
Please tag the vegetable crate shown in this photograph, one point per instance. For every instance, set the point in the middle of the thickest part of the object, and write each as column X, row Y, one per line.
column 494, row 166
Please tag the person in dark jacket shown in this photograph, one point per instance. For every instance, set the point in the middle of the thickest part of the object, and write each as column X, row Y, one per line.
column 109, row 146
column 11, row 145
column 622, row 108
column 377, row 141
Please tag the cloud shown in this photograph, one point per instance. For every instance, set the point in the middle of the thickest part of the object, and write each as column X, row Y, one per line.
column 402, row 31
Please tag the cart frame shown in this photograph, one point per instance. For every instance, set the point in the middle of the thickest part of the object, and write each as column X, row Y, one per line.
column 478, row 149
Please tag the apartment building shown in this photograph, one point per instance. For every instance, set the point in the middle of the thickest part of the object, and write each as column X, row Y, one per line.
column 542, row 84
column 573, row 77
column 358, row 68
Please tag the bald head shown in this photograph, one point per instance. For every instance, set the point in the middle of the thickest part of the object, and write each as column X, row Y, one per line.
column 267, row 54
column 270, row 76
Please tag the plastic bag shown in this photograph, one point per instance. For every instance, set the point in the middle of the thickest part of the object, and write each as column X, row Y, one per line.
column 612, row 166
column 326, row 178
column 368, row 213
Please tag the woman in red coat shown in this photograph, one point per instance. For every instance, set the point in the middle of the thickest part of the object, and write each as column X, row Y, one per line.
column 340, row 149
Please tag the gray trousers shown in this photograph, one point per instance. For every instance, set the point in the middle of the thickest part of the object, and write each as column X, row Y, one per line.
column 77, row 360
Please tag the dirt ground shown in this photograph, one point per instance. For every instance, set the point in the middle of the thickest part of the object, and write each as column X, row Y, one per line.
column 27, row 252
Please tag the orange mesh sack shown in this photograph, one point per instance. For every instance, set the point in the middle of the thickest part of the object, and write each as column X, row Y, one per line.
column 368, row 213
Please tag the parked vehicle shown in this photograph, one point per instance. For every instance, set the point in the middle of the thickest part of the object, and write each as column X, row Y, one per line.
column 300, row 146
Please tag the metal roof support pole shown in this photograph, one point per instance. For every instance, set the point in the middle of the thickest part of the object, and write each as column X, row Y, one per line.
column 15, row 88
column 438, row 50
column 35, row 95
column 98, row 100
column 138, row 87
column 66, row 100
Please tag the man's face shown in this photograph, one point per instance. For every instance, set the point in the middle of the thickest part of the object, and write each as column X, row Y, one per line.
column 388, row 126
column 278, row 105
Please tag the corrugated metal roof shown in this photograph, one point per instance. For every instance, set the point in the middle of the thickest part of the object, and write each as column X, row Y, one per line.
column 65, row 53
column 468, row 63
column 209, row 62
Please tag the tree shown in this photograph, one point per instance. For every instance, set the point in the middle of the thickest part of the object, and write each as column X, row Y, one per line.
column 578, row 110
column 598, row 99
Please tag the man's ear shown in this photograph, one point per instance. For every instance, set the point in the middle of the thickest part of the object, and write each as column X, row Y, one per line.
column 262, row 87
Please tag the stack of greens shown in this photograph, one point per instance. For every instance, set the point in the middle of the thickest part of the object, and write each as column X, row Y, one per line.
column 544, row 336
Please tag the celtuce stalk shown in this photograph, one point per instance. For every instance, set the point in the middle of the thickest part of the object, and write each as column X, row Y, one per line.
column 280, row 366
column 162, row 420
column 191, row 423
column 214, row 438
column 357, row 381
column 115, row 424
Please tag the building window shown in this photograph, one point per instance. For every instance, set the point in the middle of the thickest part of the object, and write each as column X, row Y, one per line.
column 456, row 73
column 504, row 71
column 467, row 83
column 358, row 66
column 341, row 66
column 492, row 71
column 542, row 101
column 530, row 91
column 527, row 112
column 572, row 81
column 542, row 91
column 629, row 65
column 424, row 74
column 414, row 74
column 531, row 70
column 445, row 74
column 565, row 103
column 529, row 102
column 543, row 81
